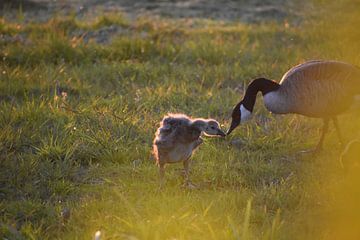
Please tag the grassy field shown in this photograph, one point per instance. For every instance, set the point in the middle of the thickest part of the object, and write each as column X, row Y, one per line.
column 78, row 115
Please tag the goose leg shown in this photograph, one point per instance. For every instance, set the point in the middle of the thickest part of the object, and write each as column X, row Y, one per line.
column 323, row 133
column 338, row 132
column 318, row 147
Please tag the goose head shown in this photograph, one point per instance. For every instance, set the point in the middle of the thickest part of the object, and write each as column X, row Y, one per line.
column 240, row 114
column 209, row 127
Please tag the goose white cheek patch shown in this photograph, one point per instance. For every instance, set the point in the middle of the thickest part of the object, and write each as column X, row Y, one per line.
column 245, row 114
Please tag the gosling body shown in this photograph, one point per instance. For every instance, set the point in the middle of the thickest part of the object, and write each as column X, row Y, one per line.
column 178, row 137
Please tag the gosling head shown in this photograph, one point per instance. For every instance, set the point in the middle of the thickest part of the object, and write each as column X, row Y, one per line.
column 240, row 114
column 209, row 127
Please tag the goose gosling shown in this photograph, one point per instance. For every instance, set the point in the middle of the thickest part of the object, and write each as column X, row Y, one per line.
column 178, row 137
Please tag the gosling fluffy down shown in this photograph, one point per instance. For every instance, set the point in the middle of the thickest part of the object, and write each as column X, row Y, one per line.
column 177, row 138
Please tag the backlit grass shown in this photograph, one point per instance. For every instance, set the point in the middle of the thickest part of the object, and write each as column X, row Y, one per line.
column 77, row 120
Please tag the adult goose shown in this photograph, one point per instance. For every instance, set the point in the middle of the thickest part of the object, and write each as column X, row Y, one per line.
column 319, row 89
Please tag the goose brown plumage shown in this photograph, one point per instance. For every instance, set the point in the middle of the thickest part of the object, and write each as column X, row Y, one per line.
column 319, row 89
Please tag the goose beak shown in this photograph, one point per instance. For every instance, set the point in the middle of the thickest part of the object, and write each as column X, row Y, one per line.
column 221, row 133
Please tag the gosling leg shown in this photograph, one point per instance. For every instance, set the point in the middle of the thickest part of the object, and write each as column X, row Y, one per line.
column 188, row 183
column 161, row 174
column 186, row 164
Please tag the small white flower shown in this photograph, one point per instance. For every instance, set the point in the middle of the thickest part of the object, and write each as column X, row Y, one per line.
column 97, row 235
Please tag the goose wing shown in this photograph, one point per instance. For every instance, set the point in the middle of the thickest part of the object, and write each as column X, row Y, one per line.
column 328, row 71
column 318, row 88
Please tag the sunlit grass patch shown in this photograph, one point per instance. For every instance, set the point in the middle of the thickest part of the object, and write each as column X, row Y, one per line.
column 77, row 119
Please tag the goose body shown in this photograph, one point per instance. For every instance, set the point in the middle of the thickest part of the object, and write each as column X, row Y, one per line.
column 320, row 89
column 177, row 138
column 314, row 89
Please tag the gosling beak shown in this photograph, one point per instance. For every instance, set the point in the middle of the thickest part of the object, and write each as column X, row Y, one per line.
column 221, row 133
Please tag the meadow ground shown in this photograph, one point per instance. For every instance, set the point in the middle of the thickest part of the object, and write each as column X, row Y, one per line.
column 81, row 100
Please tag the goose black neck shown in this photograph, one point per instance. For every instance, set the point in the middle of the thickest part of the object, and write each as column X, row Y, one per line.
column 262, row 85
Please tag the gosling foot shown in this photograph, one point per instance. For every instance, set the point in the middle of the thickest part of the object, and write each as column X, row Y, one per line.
column 189, row 185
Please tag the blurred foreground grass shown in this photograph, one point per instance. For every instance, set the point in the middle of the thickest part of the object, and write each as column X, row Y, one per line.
column 78, row 114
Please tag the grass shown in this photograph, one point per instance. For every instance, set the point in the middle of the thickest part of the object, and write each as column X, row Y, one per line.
column 89, row 150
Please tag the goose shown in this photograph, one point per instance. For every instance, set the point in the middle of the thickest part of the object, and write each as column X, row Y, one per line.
column 318, row 89
column 177, row 138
